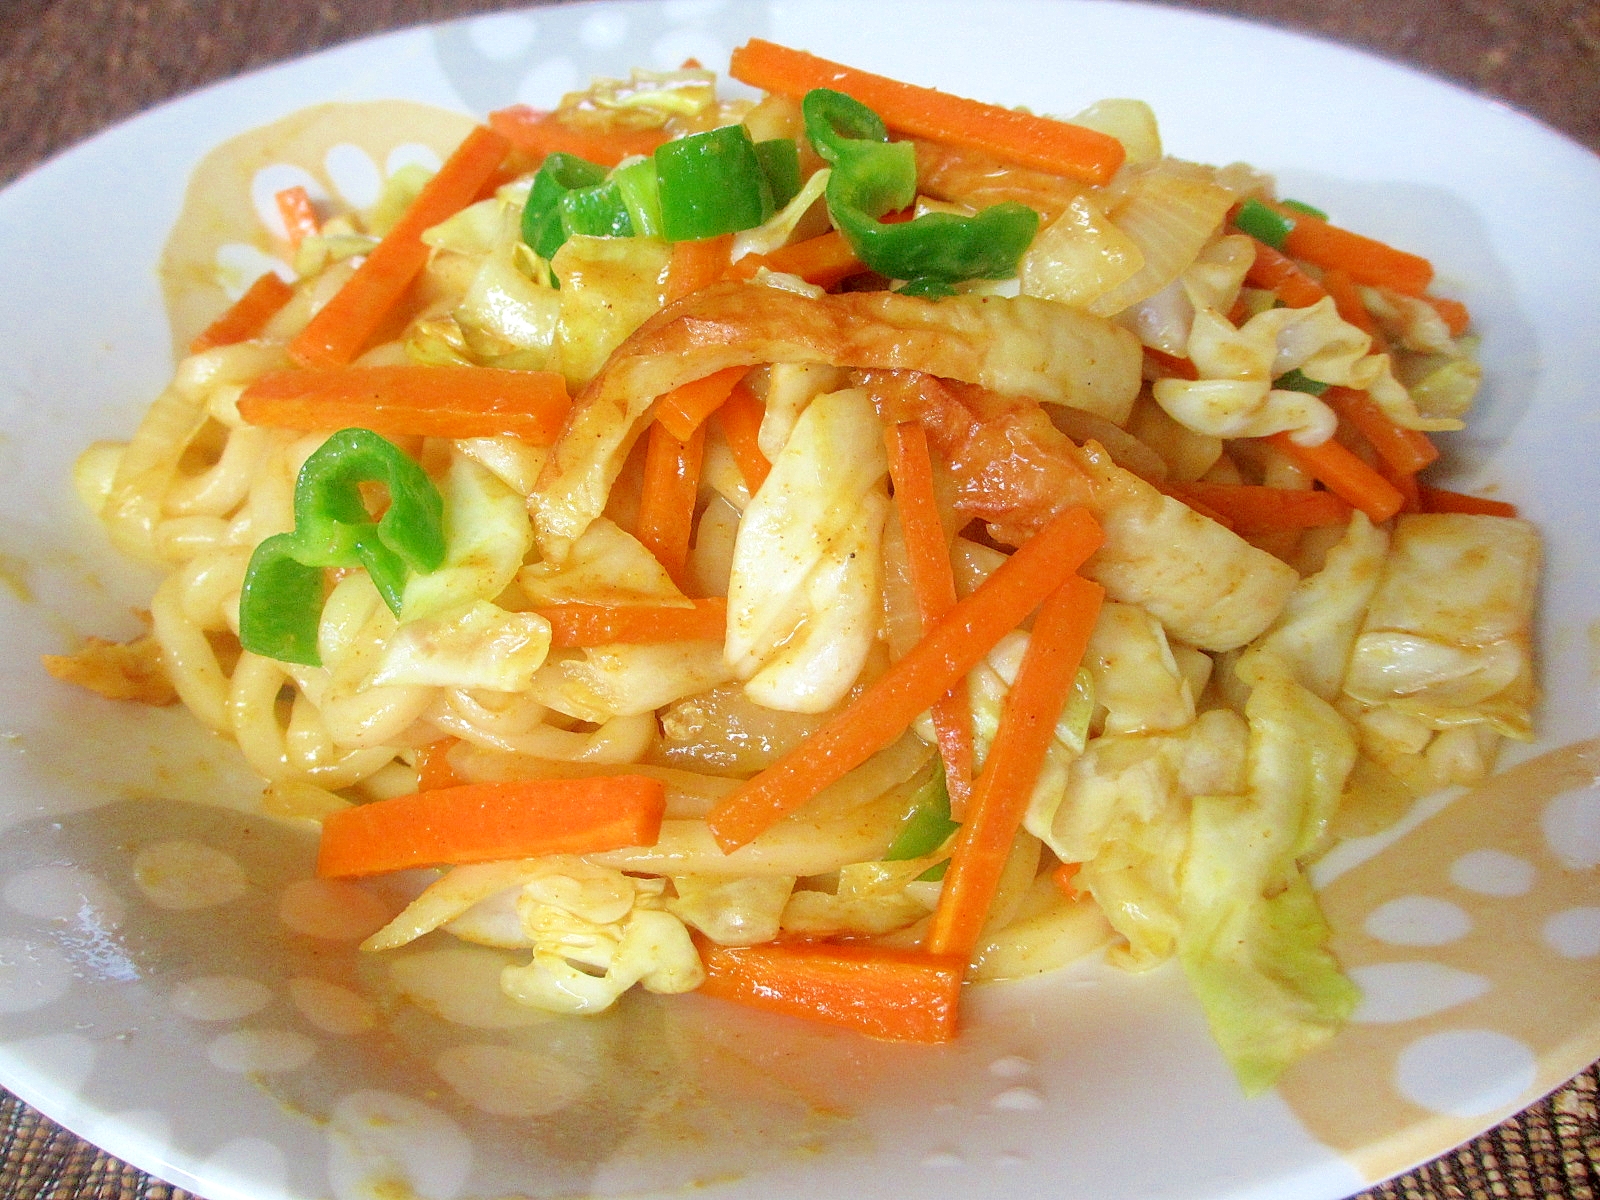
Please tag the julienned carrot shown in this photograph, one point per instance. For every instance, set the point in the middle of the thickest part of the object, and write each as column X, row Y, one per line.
column 298, row 213
column 899, row 995
column 433, row 765
column 485, row 822
column 1252, row 510
column 246, row 316
column 1019, row 137
column 1277, row 272
column 824, row 260
column 1456, row 317
column 1405, row 483
column 1367, row 260
column 697, row 264
column 1406, row 450
column 636, row 624
column 740, row 420
column 666, row 502
column 1342, row 473
column 342, row 328
column 683, row 408
column 1438, row 500
column 913, row 684
column 546, row 133
column 403, row 399
column 1000, row 796
column 1347, row 299
column 933, row 583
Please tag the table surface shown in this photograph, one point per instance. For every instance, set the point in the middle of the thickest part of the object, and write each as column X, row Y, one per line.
column 72, row 67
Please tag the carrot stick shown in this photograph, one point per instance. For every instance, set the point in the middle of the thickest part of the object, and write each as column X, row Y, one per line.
column 1252, row 510
column 1365, row 259
column 1405, row 483
column 545, row 133
column 1064, row 877
column 697, row 264
column 683, row 408
column 1438, row 500
column 342, row 328
column 299, row 215
column 1019, row 137
column 666, row 504
column 1342, row 473
column 900, row 995
column 485, row 822
column 574, row 624
column 1456, row 317
column 433, row 765
column 1279, row 273
column 1406, row 450
column 1347, row 299
column 247, row 316
column 888, row 706
column 1001, row 794
column 740, row 420
column 403, row 399
column 824, row 260
column 933, row 582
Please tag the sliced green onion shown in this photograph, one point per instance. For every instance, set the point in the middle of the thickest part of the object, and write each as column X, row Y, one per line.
column 541, row 216
column 1300, row 206
column 595, row 212
column 636, row 181
column 780, row 162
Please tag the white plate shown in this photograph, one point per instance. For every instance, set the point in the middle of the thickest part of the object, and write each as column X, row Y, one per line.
column 206, row 1043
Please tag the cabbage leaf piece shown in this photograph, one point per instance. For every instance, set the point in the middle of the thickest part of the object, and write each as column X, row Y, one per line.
column 1253, row 941
column 804, row 596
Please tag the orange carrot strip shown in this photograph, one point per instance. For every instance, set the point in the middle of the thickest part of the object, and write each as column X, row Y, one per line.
column 1250, row 509
column 1019, row 137
column 915, row 683
column 1342, row 473
column 576, row 624
column 1406, row 450
column 1405, row 483
column 342, row 328
column 1064, row 877
column 485, row 822
column 740, row 420
column 1456, row 317
column 1367, row 260
column 1438, row 500
column 899, row 995
column 824, row 260
column 298, row 213
column 933, row 582
column 683, row 408
column 545, row 133
column 666, row 504
column 1279, row 273
column 1000, row 796
column 403, row 399
column 697, row 264
column 433, row 765
column 247, row 315
column 1347, row 299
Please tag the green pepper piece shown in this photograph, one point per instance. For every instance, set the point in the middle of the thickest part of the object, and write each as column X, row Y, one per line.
column 711, row 183
column 927, row 824
column 780, row 163
column 1295, row 381
column 1300, row 206
column 931, row 288
column 873, row 176
column 541, row 215
column 1263, row 223
column 596, row 211
column 281, row 598
column 641, row 194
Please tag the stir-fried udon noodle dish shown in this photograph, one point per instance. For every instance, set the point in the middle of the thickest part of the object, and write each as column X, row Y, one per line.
column 832, row 548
